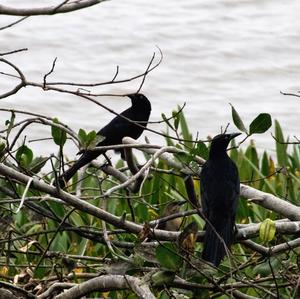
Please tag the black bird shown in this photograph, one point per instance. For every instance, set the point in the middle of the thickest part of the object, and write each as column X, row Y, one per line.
column 114, row 132
column 220, row 189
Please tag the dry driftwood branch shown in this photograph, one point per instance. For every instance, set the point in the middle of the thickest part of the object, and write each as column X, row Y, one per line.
column 15, row 289
column 142, row 170
column 282, row 227
column 273, row 250
column 271, row 202
column 55, row 287
column 107, row 283
column 50, row 10
column 166, row 156
column 82, row 205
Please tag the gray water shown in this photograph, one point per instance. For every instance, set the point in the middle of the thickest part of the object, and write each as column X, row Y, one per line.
column 215, row 52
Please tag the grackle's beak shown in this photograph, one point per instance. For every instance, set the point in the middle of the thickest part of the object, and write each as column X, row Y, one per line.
column 233, row 135
column 181, row 202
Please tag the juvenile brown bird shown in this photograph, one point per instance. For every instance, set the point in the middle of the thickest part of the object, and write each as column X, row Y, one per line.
column 188, row 237
column 170, row 209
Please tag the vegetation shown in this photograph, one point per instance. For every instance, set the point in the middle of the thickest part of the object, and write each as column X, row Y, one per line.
column 47, row 240
column 99, row 236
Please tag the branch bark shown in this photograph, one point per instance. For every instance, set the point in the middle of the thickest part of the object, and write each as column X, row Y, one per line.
column 50, row 10
column 271, row 202
column 107, row 283
column 83, row 205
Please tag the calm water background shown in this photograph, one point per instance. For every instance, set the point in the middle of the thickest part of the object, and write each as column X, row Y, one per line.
column 215, row 52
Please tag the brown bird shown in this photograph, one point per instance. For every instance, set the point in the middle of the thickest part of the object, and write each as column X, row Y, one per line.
column 188, row 237
column 170, row 209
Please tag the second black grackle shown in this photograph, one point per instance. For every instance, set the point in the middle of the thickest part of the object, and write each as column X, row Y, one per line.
column 114, row 132
column 220, row 189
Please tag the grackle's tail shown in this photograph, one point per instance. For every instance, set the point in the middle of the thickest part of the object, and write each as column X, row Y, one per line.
column 86, row 158
column 214, row 245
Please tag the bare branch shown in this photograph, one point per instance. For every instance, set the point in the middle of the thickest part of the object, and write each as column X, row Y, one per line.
column 142, row 170
column 271, row 202
column 21, row 76
column 50, row 10
column 273, row 250
column 107, row 283
column 82, row 205
column 49, row 73
column 114, row 81
column 14, row 51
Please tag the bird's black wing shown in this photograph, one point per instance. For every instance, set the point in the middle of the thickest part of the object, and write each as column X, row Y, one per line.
column 205, row 178
column 119, row 127
column 234, row 187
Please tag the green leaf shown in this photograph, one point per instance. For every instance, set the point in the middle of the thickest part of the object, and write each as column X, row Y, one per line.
column 237, row 120
column 267, row 230
column 281, row 148
column 24, row 156
column 162, row 278
column 166, row 121
column 234, row 154
column 168, row 257
column 93, row 139
column 264, row 269
column 265, row 164
column 10, row 123
column 183, row 157
column 200, row 149
column 176, row 118
column 91, row 136
column 261, row 123
column 37, row 164
column 252, row 155
column 82, row 136
column 185, row 130
column 89, row 140
column 59, row 136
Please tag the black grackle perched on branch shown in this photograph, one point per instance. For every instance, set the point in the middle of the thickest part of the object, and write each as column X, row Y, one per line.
column 114, row 132
column 220, row 189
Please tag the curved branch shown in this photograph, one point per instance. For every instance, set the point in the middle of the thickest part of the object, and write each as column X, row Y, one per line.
column 167, row 157
column 21, row 77
column 108, row 283
column 142, row 170
column 50, row 10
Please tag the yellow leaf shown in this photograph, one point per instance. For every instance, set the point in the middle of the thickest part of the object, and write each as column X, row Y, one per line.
column 105, row 295
column 272, row 169
column 3, row 270
column 152, row 213
column 267, row 230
